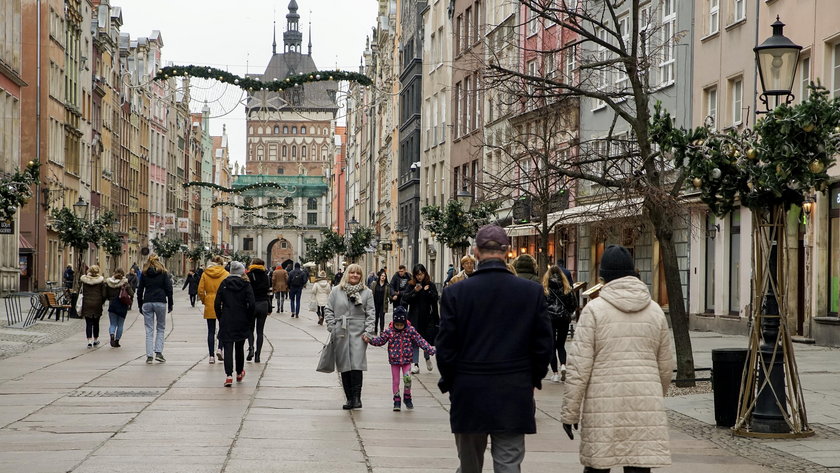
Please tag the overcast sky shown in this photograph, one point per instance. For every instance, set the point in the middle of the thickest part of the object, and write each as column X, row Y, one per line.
column 237, row 35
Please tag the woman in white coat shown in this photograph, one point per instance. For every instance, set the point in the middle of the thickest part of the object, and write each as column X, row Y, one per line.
column 619, row 368
column 350, row 314
column 321, row 294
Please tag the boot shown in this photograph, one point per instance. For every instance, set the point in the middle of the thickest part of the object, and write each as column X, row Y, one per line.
column 320, row 320
column 250, row 354
column 396, row 402
column 346, row 384
column 409, row 404
column 357, row 389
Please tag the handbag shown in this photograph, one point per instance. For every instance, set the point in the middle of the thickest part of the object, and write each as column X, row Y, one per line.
column 125, row 298
column 326, row 363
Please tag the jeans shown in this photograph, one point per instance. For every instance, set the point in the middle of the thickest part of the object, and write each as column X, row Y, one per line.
column 154, row 315
column 211, row 335
column 92, row 327
column 117, row 323
column 561, row 331
column 397, row 372
column 294, row 299
column 507, row 450
column 232, row 349
column 281, row 297
column 415, row 358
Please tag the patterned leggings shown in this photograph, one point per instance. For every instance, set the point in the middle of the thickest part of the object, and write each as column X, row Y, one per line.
column 397, row 372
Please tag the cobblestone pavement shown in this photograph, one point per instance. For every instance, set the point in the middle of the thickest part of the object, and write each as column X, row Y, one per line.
column 14, row 341
column 66, row 408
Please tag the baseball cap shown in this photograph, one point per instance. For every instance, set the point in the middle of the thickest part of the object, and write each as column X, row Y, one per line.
column 492, row 237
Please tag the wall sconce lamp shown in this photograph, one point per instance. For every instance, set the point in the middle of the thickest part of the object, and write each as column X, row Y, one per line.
column 510, row 254
column 523, row 250
column 808, row 206
column 712, row 231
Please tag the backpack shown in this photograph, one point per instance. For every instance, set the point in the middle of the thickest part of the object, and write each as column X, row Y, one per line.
column 298, row 278
column 558, row 311
column 125, row 298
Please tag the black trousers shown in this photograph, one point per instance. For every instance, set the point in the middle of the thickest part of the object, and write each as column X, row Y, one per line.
column 92, row 327
column 259, row 324
column 627, row 469
column 234, row 349
column 561, row 331
column 350, row 381
column 192, row 300
column 379, row 322
column 211, row 335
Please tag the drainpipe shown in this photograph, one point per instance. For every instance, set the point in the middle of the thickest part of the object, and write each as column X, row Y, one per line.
column 35, row 257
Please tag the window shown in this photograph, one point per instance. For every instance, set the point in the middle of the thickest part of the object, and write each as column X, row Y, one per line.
column 603, row 75
column 312, row 219
column 621, row 81
column 276, row 130
column 476, row 29
column 835, row 71
column 285, row 130
column 805, row 78
column 303, row 130
column 468, row 96
column 645, row 33
column 571, row 62
column 669, row 24
column 294, row 151
column 294, row 130
column 738, row 10
column 714, row 16
column 303, row 151
column 457, row 108
column 833, row 252
column 248, row 244
column 281, row 171
column 710, row 264
column 533, row 20
column 284, row 153
column 735, row 262
column 533, row 72
column 711, row 106
column 312, row 204
column 459, row 31
column 735, row 98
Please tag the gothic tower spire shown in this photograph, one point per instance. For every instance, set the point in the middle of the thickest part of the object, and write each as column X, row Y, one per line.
column 274, row 43
column 310, row 32
column 292, row 38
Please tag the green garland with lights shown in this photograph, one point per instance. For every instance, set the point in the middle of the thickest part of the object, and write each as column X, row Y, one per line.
column 280, row 205
column 453, row 226
column 166, row 247
column 237, row 190
column 274, row 218
column 250, row 84
column 16, row 190
column 259, row 226
column 784, row 158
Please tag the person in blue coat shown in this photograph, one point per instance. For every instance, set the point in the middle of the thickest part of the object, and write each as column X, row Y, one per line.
column 493, row 348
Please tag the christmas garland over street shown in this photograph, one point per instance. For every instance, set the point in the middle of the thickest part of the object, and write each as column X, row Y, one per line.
column 250, row 84
column 239, row 190
column 16, row 190
column 280, row 205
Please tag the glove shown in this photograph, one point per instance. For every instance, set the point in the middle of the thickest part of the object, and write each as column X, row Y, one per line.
column 170, row 309
column 568, row 429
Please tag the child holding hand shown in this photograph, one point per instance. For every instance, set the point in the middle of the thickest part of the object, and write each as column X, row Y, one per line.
column 401, row 338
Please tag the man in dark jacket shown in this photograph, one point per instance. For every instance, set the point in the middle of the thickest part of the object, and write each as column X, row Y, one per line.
column 490, row 363
column 191, row 282
column 67, row 277
column 399, row 287
column 234, row 306
column 526, row 268
column 297, row 281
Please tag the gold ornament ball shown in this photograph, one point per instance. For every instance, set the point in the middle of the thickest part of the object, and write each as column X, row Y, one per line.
column 736, row 154
column 837, row 129
column 697, row 182
column 816, row 167
column 808, row 128
column 31, row 163
column 752, row 153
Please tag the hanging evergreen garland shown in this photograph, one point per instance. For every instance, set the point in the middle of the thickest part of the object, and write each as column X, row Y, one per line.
column 239, row 190
column 16, row 190
column 285, row 215
column 250, row 84
column 279, row 205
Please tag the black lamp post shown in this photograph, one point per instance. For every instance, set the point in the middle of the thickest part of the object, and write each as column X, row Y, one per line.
column 80, row 208
column 777, row 58
column 465, row 198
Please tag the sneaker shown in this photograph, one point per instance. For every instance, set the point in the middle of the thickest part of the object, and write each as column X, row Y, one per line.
column 159, row 357
column 212, row 359
column 396, row 402
column 219, row 355
column 90, row 345
column 409, row 404
column 555, row 378
column 562, row 372
column 256, row 358
column 415, row 369
column 429, row 364
column 407, row 381
column 228, row 382
column 149, row 360
column 113, row 340
column 239, row 376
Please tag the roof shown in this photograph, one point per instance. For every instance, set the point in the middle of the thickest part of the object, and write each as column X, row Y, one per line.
column 314, row 95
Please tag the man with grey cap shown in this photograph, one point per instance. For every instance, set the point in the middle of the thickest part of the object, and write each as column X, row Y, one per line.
column 493, row 349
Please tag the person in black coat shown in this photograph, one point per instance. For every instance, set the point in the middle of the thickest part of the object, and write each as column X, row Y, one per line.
column 493, row 349
column 399, row 283
column 261, row 285
column 421, row 297
column 154, row 298
column 191, row 281
column 235, row 311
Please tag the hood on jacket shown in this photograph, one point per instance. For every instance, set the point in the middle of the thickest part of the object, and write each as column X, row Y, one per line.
column 525, row 264
column 92, row 280
column 216, row 272
column 406, row 322
column 111, row 282
column 256, row 266
column 152, row 273
column 237, row 283
column 627, row 294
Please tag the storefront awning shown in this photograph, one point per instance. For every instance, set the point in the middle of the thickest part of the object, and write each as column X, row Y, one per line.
column 588, row 213
column 24, row 246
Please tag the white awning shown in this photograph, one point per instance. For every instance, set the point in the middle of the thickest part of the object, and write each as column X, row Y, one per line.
column 588, row 213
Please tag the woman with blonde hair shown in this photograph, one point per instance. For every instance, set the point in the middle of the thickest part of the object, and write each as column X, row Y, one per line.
column 562, row 303
column 350, row 315
column 93, row 299
column 208, row 286
column 154, row 296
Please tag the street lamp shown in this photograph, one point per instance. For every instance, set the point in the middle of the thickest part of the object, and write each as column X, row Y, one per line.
column 352, row 225
column 80, row 208
column 465, row 198
column 777, row 58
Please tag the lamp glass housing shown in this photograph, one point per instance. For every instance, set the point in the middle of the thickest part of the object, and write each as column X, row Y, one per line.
column 777, row 58
column 80, row 208
column 465, row 198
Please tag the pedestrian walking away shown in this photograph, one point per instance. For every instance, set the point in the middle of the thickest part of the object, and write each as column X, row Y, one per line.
column 154, row 297
column 489, row 363
column 261, row 286
column 338, row 276
column 321, row 294
column 620, row 366
column 191, row 283
column 450, row 273
column 402, row 340
column 93, row 300
column 399, row 284
column 68, row 277
column 133, row 281
column 119, row 294
column 421, row 297
column 349, row 315
column 467, row 268
column 207, row 288
column 562, row 303
column 381, row 295
column 234, row 305
column 526, row 268
column 280, row 286
column 297, row 281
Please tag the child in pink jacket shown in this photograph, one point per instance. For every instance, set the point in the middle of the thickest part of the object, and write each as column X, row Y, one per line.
column 401, row 338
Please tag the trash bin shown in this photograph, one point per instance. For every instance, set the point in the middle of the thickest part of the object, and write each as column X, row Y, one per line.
column 727, row 368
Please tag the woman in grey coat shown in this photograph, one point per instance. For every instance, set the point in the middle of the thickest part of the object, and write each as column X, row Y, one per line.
column 350, row 314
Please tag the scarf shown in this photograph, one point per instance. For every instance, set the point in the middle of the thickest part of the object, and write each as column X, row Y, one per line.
column 353, row 292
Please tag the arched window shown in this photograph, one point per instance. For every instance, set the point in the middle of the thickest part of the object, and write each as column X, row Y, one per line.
column 285, row 130
column 303, row 151
column 280, row 171
column 288, row 203
column 260, row 152
column 294, row 130
column 250, row 130
column 276, row 130
column 326, row 131
column 315, row 156
column 303, row 130
column 294, row 151
column 285, row 151
column 259, row 131
column 312, row 204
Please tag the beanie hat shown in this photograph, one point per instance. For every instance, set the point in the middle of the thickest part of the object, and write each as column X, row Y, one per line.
column 399, row 314
column 617, row 262
column 237, row 268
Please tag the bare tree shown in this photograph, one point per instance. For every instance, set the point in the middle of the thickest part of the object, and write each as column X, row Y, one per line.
column 609, row 51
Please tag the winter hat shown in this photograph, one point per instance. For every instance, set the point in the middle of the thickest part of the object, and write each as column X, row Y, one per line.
column 399, row 314
column 237, row 268
column 617, row 262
